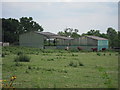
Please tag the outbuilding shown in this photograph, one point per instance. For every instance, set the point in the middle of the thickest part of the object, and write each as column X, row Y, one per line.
column 43, row 40
column 52, row 41
column 92, row 42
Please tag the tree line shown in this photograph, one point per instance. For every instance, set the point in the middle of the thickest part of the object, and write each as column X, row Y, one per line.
column 111, row 34
column 12, row 28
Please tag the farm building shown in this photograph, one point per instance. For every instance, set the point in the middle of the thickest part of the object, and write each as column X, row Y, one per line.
column 91, row 42
column 43, row 40
column 50, row 40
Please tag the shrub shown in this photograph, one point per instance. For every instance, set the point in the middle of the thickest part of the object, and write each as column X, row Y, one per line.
column 71, row 63
column 3, row 55
column 74, row 55
column 19, row 53
column 119, row 52
column 18, row 64
column 74, row 50
column 75, row 64
column 29, row 67
column 65, row 71
column 104, row 54
column 81, row 64
column 26, row 71
column 22, row 58
column 99, row 54
column 50, row 59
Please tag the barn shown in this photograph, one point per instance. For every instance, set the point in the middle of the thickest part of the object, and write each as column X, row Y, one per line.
column 48, row 40
column 43, row 40
column 92, row 42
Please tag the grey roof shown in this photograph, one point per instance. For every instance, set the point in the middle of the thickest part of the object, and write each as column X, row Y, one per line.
column 62, row 37
column 52, row 35
column 96, row 37
column 46, row 33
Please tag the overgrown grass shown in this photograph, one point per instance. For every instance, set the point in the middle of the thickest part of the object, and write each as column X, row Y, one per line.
column 22, row 58
column 60, row 68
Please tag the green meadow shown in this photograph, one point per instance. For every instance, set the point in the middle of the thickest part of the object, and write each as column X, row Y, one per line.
column 60, row 68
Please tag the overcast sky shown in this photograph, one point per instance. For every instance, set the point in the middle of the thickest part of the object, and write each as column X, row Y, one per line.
column 56, row 16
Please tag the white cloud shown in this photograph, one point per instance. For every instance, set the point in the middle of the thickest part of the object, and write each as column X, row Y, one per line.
column 57, row 16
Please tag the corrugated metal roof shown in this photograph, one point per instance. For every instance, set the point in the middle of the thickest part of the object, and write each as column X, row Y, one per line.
column 62, row 37
column 52, row 35
column 96, row 37
column 46, row 33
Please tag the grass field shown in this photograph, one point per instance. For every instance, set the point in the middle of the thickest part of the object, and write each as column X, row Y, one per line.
column 61, row 69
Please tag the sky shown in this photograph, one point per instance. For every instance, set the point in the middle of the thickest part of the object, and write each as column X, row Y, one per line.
column 56, row 16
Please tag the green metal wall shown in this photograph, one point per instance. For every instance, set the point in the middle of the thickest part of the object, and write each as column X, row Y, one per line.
column 102, row 44
column 31, row 39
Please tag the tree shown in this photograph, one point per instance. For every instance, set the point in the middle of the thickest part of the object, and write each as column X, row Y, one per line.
column 69, row 32
column 27, row 24
column 12, row 28
column 113, row 37
column 94, row 32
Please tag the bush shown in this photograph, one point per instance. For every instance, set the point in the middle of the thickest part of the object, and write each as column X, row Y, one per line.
column 22, row 58
column 50, row 59
column 99, row 54
column 81, row 64
column 75, row 64
column 74, row 55
column 29, row 67
column 3, row 55
column 71, row 63
column 18, row 64
column 74, row 50
column 19, row 53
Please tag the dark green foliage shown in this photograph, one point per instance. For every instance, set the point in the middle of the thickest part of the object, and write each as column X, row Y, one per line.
column 75, row 63
column 112, row 37
column 22, row 58
column 18, row 64
column 71, row 63
column 81, row 64
column 74, row 50
column 69, row 32
column 12, row 28
column 3, row 55
column 98, row 53
column 50, row 59
column 29, row 67
column 65, row 71
column 26, row 71
column 19, row 53
column 74, row 55
column 104, row 54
